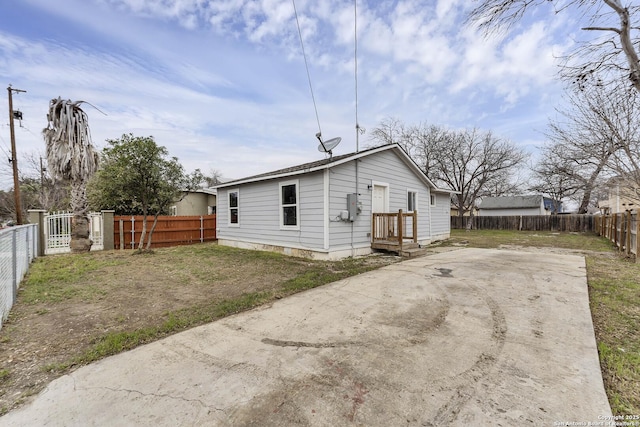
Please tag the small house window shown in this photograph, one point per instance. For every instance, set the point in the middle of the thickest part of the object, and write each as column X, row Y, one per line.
column 173, row 210
column 234, row 207
column 433, row 199
column 289, row 205
column 412, row 201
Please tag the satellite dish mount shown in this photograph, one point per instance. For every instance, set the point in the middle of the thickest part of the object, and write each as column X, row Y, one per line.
column 327, row 146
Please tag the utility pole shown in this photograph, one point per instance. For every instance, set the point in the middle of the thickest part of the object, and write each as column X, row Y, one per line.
column 14, row 157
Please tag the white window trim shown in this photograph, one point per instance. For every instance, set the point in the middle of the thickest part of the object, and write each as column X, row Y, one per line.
column 417, row 204
column 295, row 182
column 229, row 223
column 432, row 199
column 174, row 210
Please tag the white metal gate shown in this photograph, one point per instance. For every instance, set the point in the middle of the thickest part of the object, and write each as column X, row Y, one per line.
column 57, row 232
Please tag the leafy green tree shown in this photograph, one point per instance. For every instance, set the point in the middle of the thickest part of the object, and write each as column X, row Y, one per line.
column 137, row 176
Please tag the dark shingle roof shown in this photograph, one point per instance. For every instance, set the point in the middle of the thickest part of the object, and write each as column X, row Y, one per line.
column 335, row 160
column 296, row 168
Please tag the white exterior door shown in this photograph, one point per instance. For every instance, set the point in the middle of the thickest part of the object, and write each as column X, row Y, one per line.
column 380, row 198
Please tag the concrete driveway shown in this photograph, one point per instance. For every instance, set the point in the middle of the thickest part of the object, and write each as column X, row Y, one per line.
column 467, row 337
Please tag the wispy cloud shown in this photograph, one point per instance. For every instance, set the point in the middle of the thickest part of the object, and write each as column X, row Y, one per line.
column 223, row 84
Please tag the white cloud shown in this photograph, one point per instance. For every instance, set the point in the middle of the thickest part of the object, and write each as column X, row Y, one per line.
column 223, row 85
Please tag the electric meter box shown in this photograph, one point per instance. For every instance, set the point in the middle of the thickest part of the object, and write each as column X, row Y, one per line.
column 352, row 206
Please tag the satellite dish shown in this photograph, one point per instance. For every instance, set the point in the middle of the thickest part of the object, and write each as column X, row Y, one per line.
column 327, row 146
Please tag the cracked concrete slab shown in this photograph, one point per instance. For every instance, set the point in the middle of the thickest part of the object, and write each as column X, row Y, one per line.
column 468, row 337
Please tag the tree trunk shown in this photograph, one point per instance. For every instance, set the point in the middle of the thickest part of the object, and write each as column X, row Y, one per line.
column 80, row 241
column 470, row 222
column 626, row 41
column 144, row 231
column 153, row 227
column 586, row 197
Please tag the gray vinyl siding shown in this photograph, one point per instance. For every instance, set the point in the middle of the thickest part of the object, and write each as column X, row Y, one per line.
column 342, row 182
column 384, row 167
column 259, row 205
column 440, row 215
column 259, row 213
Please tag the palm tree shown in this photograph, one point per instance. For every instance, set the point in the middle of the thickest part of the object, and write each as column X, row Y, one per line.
column 72, row 157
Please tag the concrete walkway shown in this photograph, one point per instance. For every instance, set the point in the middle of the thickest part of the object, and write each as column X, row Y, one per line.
column 467, row 337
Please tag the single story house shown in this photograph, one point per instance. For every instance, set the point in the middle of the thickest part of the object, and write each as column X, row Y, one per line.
column 325, row 209
column 195, row 202
column 518, row 205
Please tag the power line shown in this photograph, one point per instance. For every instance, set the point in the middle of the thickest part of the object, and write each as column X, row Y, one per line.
column 307, row 67
column 4, row 148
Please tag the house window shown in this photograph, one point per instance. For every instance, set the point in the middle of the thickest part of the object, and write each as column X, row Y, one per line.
column 234, row 207
column 433, row 199
column 173, row 210
column 289, row 205
column 412, row 201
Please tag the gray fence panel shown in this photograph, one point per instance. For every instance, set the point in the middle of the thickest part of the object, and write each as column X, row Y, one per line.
column 577, row 223
column 18, row 247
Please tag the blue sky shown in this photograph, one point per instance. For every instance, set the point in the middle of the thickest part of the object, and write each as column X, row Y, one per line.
column 222, row 83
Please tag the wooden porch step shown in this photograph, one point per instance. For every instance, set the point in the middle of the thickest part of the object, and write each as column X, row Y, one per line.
column 413, row 252
column 409, row 249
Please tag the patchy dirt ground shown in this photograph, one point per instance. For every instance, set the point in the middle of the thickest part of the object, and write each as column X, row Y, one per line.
column 68, row 302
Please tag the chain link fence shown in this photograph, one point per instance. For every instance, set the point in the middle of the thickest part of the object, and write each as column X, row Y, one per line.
column 18, row 247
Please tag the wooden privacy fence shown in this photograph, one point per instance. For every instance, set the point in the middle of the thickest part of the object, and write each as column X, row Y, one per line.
column 622, row 229
column 170, row 230
column 576, row 223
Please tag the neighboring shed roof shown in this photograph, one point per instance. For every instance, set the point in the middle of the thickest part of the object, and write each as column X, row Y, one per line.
column 334, row 161
column 511, row 202
column 209, row 191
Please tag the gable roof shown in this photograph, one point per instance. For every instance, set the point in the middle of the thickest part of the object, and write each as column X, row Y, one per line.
column 511, row 202
column 335, row 161
column 210, row 191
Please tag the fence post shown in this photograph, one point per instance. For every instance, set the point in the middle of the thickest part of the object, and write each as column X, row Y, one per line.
column 121, row 229
column 36, row 216
column 637, row 234
column 627, row 229
column 133, row 232
column 400, row 238
column 201, row 229
column 14, row 265
column 107, row 230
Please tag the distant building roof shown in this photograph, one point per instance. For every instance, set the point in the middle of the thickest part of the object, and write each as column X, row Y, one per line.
column 511, row 202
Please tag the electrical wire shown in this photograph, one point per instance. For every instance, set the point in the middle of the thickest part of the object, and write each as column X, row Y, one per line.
column 313, row 98
column 355, row 60
column 4, row 148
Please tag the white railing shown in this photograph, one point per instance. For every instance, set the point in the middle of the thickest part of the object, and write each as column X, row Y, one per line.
column 18, row 247
column 57, row 232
